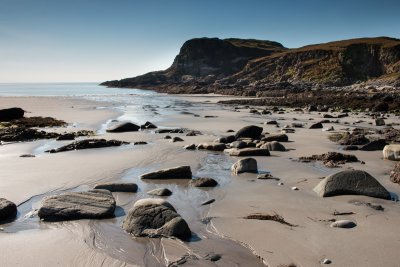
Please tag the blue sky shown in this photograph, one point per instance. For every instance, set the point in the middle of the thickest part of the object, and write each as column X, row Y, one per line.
column 77, row 41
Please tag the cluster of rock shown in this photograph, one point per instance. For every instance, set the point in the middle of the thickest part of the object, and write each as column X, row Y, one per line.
column 331, row 159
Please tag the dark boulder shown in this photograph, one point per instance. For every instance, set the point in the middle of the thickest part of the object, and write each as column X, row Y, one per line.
column 317, row 125
column 123, row 127
column 203, row 182
column 118, row 187
column 10, row 114
column 148, row 125
column 181, row 172
column 8, row 210
column 276, row 137
column 226, row 139
column 374, row 145
column 251, row 131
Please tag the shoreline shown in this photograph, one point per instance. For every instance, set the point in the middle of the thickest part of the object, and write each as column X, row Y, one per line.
column 276, row 244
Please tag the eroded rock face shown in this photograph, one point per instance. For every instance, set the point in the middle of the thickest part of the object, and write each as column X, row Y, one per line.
column 118, row 187
column 391, row 152
column 8, row 210
column 351, row 182
column 154, row 217
column 180, row 172
column 94, row 204
column 244, row 165
column 124, row 127
column 251, row 131
column 88, row 143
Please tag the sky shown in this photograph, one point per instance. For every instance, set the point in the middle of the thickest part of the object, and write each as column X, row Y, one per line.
column 94, row 41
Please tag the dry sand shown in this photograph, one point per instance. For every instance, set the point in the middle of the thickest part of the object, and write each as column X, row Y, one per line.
column 29, row 242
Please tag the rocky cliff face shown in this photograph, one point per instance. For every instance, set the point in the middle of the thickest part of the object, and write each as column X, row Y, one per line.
column 235, row 65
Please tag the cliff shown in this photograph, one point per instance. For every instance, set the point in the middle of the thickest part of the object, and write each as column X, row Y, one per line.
column 235, row 66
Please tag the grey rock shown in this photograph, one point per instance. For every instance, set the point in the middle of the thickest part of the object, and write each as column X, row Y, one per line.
column 391, row 152
column 177, row 139
column 123, row 127
column 343, row 224
column 250, row 151
column 251, row 131
column 274, row 146
column 94, row 204
column 244, row 165
column 118, row 187
column 374, row 145
column 162, row 192
column 212, row 147
column 155, row 218
column 203, row 182
column 276, row 137
column 351, row 182
column 238, row 144
column 8, row 210
column 180, row 172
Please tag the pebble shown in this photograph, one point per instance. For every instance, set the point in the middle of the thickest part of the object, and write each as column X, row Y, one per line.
column 344, row 224
column 280, row 183
column 326, row 261
column 294, row 188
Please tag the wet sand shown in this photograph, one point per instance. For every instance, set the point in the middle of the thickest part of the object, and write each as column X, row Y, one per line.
column 218, row 228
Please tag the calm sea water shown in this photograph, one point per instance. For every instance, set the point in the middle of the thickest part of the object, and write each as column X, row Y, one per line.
column 63, row 89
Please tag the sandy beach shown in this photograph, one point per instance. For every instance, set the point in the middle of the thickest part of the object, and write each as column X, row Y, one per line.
column 219, row 228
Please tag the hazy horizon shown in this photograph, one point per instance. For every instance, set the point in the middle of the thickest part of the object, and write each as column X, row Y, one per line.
column 95, row 41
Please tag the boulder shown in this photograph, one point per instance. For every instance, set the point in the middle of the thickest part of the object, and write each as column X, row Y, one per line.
column 351, row 182
column 190, row 147
column 273, row 146
column 124, row 127
column 212, row 147
column 271, row 123
column 94, row 204
column 154, row 217
column 374, row 145
column 203, row 182
column 238, row 144
column 317, row 125
column 379, row 122
column 10, row 114
column 118, row 187
column 250, row 151
column 343, row 224
column 276, row 137
column 8, row 210
column 244, row 165
column 251, row 131
column 391, row 152
column 180, row 172
column 148, row 125
column 353, row 140
column 162, row 192
column 87, row 144
column 226, row 139
column 177, row 139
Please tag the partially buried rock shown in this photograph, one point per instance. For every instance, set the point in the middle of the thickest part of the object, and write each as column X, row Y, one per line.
column 148, row 125
column 317, row 125
column 238, row 144
column 273, row 146
column 203, row 182
column 180, row 172
column 351, row 182
column 226, row 139
column 245, row 165
column 27, row 156
column 66, row 136
column 374, row 145
column 391, row 152
column 343, row 224
column 8, row 210
column 276, row 137
column 212, row 147
column 251, row 131
column 177, row 139
column 250, row 151
column 267, row 176
column 190, row 147
column 379, row 122
column 118, row 187
column 94, row 204
column 124, row 127
column 162, row 192
column 155, row 218
column 88, row 143
column 9, row 114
